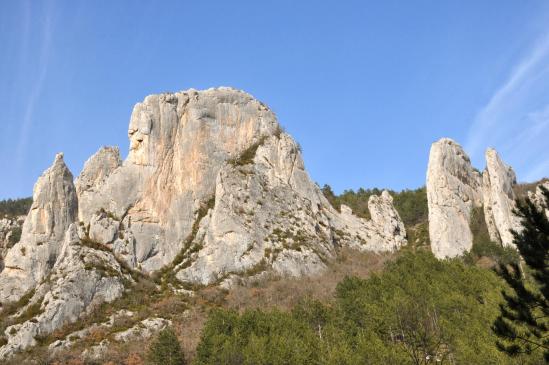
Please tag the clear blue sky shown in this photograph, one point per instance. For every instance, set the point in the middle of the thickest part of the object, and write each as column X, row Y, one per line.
column 364, row 86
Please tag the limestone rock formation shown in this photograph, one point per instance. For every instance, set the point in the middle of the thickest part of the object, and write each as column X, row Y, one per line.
column 268, row 214
column 82, row 279
column 178, row 144
column 211, row 169
column 53, row 209
column 212, row 192
column 453, row 189
column 97, row 169
column 499, row 199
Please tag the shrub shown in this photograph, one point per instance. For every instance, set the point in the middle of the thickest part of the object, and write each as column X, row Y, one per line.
column 15, row 236
column 165, row 349
column 419, row 306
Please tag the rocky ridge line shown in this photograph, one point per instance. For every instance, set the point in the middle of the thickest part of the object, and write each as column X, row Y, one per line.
column 455, row 188
column 212, row 192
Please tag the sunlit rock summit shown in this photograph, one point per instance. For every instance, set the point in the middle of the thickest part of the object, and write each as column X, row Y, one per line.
column 213, row 191
column 455, row 188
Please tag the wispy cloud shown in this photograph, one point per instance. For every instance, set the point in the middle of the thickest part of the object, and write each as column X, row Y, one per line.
column 512, row 120
column 537, row 171
column 42, row 63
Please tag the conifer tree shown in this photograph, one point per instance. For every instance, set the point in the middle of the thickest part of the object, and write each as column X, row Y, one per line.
column 165, row 349
column 523, row 324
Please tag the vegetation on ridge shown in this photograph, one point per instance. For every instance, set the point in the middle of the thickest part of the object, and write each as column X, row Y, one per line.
column 411, row 205
column 15, row 207
column 418, row 308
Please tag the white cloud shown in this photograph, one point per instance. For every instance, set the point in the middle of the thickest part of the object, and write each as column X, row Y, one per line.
column 513, row 121
column 537, row 172
column 46, row 30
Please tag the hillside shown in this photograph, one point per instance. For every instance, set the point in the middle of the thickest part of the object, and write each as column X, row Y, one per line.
column 213, row 227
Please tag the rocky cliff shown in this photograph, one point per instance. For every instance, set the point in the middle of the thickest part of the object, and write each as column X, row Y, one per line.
column 213, row 191
column 455, row 188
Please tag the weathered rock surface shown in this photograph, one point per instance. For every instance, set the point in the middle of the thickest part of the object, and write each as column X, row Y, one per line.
column 453, row 189
column 267, row 214
column 53, row 209
column 76, row 336
column 212, row 173
column 499, row 199
column 179, row 142
column 143, row 330
column 212, row 190
column 97, row 169
column 82, row 279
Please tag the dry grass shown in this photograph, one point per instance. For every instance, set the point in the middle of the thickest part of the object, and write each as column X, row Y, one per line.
column 190, row 314
column 521, row 190
column 285, row 293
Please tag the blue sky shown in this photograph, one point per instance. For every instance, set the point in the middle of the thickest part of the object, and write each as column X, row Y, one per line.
column 364, row 86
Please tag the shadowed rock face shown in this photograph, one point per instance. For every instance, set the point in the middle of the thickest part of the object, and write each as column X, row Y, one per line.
column 54, row 208
column 499, row 199
column 453, row 189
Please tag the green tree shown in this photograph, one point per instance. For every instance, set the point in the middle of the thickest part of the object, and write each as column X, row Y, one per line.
column 523, row 325
column 165, row 349
column 15, row 207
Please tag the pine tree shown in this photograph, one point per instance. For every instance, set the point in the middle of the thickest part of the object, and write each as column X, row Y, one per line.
column 165, row 349
column 523, row 325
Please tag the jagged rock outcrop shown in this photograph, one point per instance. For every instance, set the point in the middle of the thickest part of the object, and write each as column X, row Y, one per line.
column 97, row 169
column 178, row 144
column 82, row 279
column 54, row 208
column 453, row 189
column 212, row 191
column 210, row 170
column 267, row 214
column 499, row 199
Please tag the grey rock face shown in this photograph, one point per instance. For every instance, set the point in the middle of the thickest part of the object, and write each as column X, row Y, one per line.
column 178, row 144
column 188, row 149
column 499, row 199
column 53, row 209
column 144, row 329
column 211, row 180
column 269, row 216
column 83, row 278
column 98, row 168
column 453, row 189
